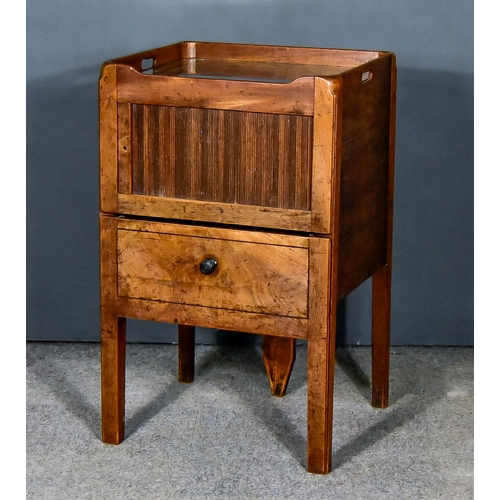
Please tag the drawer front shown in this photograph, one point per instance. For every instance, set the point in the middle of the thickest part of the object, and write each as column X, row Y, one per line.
column 253, row 273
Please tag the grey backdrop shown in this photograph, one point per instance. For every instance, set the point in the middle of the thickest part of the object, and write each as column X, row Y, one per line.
column 433, row 233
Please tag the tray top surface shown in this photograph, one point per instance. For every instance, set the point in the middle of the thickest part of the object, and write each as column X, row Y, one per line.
column 246, row 70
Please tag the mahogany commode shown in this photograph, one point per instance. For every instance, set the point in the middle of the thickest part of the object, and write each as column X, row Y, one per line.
column 246, row 188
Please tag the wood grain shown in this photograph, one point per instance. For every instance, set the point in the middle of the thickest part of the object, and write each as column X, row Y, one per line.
column 108, row 179
column 113, row 377
column 321, row 362
column 294, row 149
column 303, row 56
column 361, row 254
column 382, row 279
column 218, row 233
column 279, row 358
column 222, row 213
column 124, row 148
column 366, row 104
column 381, row 336
column 325, row 111
column 113, row 338
column 209, row 317
column 161, row 56
column 250, row 277
column 220, row 156
column 321, row 349
column 364, row 180
column 269, row 71
column 295, row 97
column 283, row 54
column 186, row 337
column 321, row 345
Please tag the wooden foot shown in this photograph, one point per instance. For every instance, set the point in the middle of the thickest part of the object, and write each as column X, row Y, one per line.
column 279, row 357
column 381, row 318
column 113, row 333
column 186, row 335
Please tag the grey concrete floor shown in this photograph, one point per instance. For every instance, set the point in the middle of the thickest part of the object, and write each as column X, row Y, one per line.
column 225, row 436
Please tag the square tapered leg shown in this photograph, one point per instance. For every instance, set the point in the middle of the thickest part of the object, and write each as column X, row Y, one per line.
column 113, row 378
column 186, row 337
column 381, row 317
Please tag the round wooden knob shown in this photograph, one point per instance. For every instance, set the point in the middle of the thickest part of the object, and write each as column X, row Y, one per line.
column 208, row 266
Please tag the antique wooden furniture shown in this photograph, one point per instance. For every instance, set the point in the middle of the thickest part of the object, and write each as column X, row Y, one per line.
column 246, row 188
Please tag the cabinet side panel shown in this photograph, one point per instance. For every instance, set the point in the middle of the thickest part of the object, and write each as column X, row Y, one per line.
column 366, row 98
column 364, row 180
column 366, row 165
column 360, row 255
column 365, row 146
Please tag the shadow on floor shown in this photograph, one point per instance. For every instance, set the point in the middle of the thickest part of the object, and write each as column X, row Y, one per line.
column 410, row 395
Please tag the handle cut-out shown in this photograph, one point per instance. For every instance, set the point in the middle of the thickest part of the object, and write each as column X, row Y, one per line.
column 147, row 66
column 366, row 76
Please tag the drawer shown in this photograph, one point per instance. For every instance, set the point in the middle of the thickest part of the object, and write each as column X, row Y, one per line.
column 256, row 272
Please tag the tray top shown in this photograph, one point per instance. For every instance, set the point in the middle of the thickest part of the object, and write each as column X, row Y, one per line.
column 245, row 70
column 260, row 63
